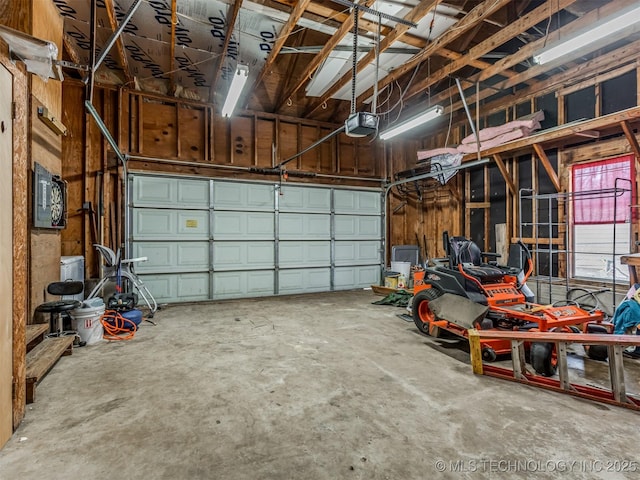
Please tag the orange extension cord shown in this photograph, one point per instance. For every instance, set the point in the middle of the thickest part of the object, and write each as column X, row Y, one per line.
column 116, row 327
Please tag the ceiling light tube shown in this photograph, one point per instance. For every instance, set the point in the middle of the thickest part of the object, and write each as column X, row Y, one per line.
column 237, row 84
column 412, row 122
column 615, row 23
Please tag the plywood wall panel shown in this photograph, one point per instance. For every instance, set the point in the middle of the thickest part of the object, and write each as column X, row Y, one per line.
column 47, row 25
column 221, row 144
column 45, row 244
column 327, row 153
column 16, row 14
column 310, row 161
column 73, row 116
column 346, row 155
column 192, row 133
column 265, row 136
column 242, row 141
column 160, row 132
column 288, row 143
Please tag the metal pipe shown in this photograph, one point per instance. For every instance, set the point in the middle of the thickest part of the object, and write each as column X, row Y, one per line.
column 116, row 34
column 466, row 109
column 246, row 169
column 312, row 146
column 123, row 159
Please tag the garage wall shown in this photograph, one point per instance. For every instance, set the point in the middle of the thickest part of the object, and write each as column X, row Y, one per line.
column 211, row 239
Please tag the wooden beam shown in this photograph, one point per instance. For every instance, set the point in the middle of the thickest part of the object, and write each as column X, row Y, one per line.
column 231, row 23
column 321, row 56
column 551, row 84
column 122, row 54
column 631, row 138
column 68, row 45
column 505, row 173
column 515, row 28
column 547, row 166
column 560, row 132
column 470, row 20
column 415, row 15
column 288, row 27
column 172, row 46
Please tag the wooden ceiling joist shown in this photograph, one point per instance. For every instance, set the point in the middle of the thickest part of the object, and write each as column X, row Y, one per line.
column 598, row 64
column 474, row 17
column 288, row 27
column 172, row 48
column 231, row 23
column 415, row 15
column 321, row 56
column 522, row 24
column 122, row 55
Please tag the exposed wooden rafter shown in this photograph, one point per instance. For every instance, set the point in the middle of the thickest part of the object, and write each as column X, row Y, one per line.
column 122, row 55
column 279, row 43
column 415, row 15
column 474, row 17
column 231, row 23
column 321, row 57
column 515, row 28
column 172, row 59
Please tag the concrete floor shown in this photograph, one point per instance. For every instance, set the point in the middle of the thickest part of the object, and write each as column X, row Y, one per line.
column 323, row 386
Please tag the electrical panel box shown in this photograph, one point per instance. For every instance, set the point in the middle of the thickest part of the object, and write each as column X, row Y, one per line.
column 49, row 199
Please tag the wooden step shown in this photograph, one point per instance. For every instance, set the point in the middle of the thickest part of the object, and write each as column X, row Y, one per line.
column 42, row 358
column 35, row 331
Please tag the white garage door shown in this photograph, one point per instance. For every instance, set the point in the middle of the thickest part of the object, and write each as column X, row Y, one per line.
column 212, row 239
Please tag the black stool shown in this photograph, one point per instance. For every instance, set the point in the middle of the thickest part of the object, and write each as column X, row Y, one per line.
column 59, row 308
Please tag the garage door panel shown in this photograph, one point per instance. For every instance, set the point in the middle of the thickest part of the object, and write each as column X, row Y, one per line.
column 188, row 287
column 350, row 201
column 242, row 284
column 157, row 224
column 243, row 256
column 170, row 192
column 357, row 227
column 299, row 226
column 168, row 256
column 304, row 280
column 243, row 196
column 305, row 199
column 347, row 278
column 193, row 193
column 243, row 226
column 352, row 252
column 295, row 254
column 193, row 224
column 226, row 235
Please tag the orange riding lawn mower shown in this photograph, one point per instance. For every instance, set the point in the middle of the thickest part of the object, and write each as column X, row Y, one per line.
column 462, row 292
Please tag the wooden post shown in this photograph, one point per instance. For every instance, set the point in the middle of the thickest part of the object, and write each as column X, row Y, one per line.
column 476, row 352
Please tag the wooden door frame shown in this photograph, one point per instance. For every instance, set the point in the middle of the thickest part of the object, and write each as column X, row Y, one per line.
column 20, row 232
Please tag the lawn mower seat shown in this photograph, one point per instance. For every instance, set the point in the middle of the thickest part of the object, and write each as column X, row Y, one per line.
column 469, row 255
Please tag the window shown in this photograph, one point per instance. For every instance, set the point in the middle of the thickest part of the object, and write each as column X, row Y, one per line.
column 602, row 195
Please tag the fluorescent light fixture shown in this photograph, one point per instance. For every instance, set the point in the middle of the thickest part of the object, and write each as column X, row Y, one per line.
column 610, row 25
column 237, row 84
column 412, row 122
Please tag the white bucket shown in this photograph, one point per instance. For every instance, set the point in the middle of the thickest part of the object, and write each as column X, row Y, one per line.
column 403, row 268
column 86, row 321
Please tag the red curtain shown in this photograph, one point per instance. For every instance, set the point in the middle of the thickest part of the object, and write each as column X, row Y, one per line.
column 594, row 187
